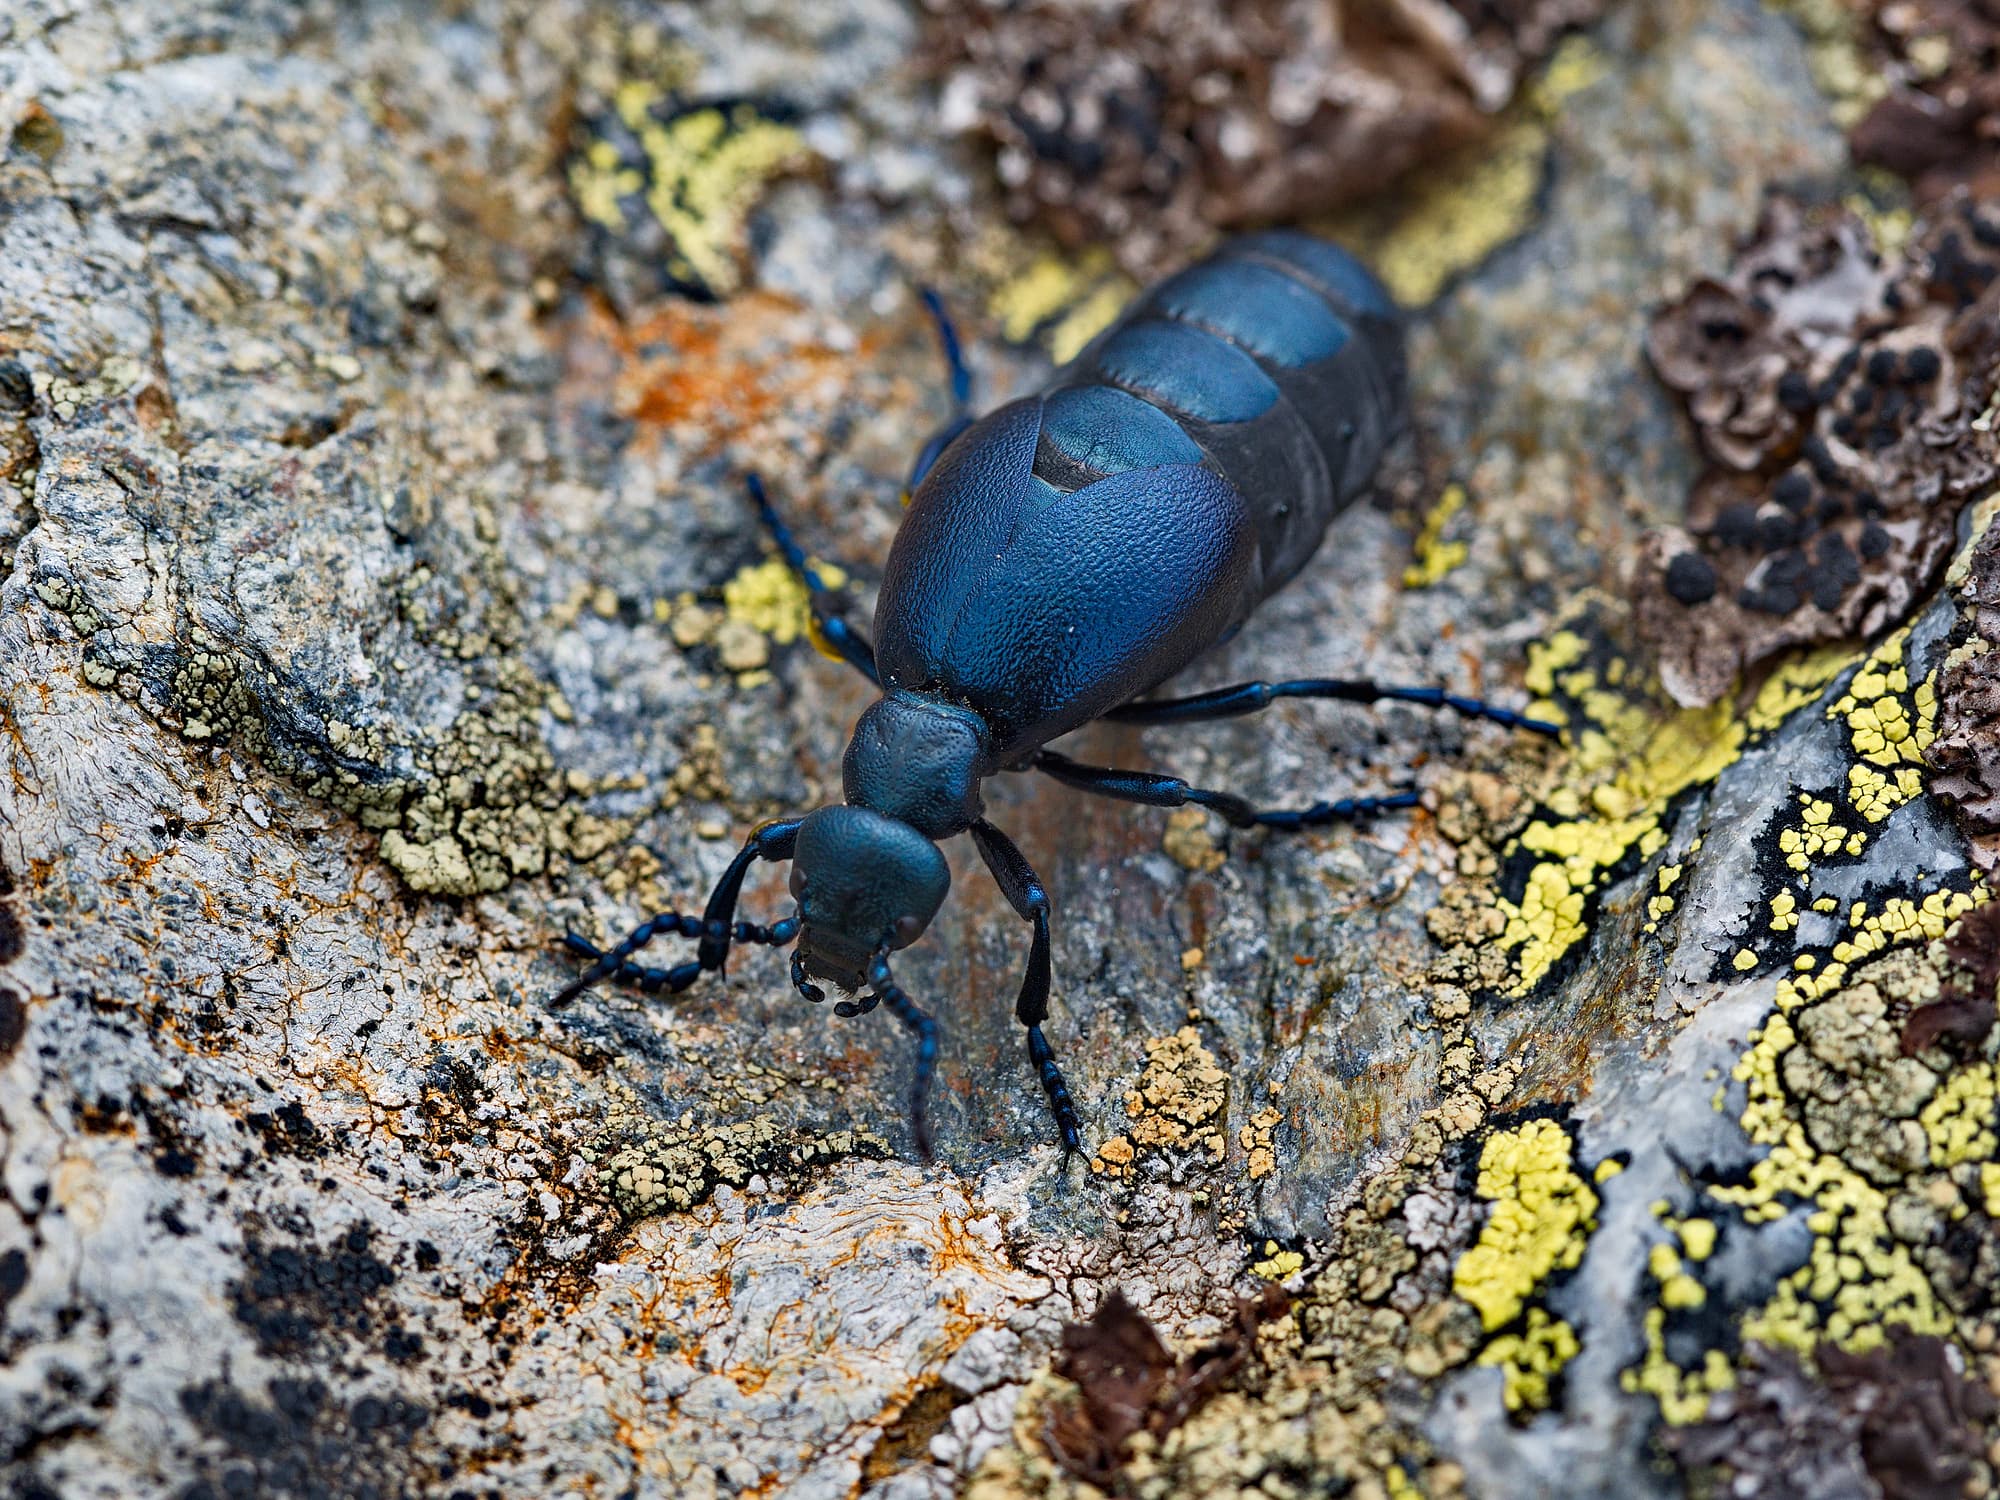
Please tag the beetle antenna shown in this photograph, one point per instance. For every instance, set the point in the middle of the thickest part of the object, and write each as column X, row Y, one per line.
column 914, row 1019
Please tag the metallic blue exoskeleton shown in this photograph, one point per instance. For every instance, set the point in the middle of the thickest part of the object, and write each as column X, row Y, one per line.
column 1063, row 556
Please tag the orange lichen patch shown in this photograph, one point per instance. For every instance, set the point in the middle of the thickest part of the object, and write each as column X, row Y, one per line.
column 751, row 1327
column 704, row 375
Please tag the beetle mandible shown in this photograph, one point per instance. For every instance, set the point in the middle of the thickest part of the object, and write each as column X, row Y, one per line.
column 1061, row 557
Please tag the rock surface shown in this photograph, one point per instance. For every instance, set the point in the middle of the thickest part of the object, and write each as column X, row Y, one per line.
column 378, row 599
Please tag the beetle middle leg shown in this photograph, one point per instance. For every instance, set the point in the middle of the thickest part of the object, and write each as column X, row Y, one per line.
column 831, row 631
column 1155, row 790
column 717, row 928
column 1024, row 892
column 1254, row 697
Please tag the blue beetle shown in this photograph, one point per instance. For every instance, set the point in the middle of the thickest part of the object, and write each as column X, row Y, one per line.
column 1063, row 556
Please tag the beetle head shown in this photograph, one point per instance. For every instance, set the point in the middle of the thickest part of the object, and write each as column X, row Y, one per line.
column 864, row 882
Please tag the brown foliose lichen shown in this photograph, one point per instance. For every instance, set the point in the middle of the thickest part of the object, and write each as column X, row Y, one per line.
column 1127, row 1381
column 1844, row 401
column 1938, row 121
column 1966, row 752
column 1148, row 124
column 1901, row 1420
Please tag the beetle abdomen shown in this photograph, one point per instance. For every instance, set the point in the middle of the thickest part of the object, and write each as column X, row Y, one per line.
column 1279, row 358
column 1071, row 551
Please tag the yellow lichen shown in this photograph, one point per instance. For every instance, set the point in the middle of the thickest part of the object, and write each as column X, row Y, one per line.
column 1870, row 1140
column 1875, row 795
column 1434, row 556
column 1817, row 835
column 1697, row 1238
column 1631, row 761
column 1835, row 57
column 702, row 171
column 1542, row 1213
column 1958, row 1122
column 1659, row 907
column 1889, row 725
column 1455, row 215
column 771, row 599
column 1278, row 1264
column 1066, row 302
column 1632, row 757
column 1531, row 1359
column 1683, row 1394
column 1678, row 1289
column 1451, row 219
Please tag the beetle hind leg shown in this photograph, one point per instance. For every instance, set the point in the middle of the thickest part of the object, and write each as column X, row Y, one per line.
column 1254, row 697
column 1152, row 789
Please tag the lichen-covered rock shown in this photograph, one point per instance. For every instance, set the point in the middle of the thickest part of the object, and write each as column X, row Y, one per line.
column 378, row 600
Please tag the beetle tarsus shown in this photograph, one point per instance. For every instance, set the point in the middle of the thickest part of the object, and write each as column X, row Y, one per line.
column 1044, row 1058
column 1320, row 814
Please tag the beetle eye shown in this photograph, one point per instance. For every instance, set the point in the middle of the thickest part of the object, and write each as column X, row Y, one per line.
column 908, row 930
column 798, row 884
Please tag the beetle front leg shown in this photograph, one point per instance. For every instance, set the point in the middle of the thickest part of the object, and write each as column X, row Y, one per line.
column 680, row 976
column 716, row 929
column 1155, row 790
column 1024, row 892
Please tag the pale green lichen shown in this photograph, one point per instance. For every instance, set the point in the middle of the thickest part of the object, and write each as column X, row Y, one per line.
column 672, row 1168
